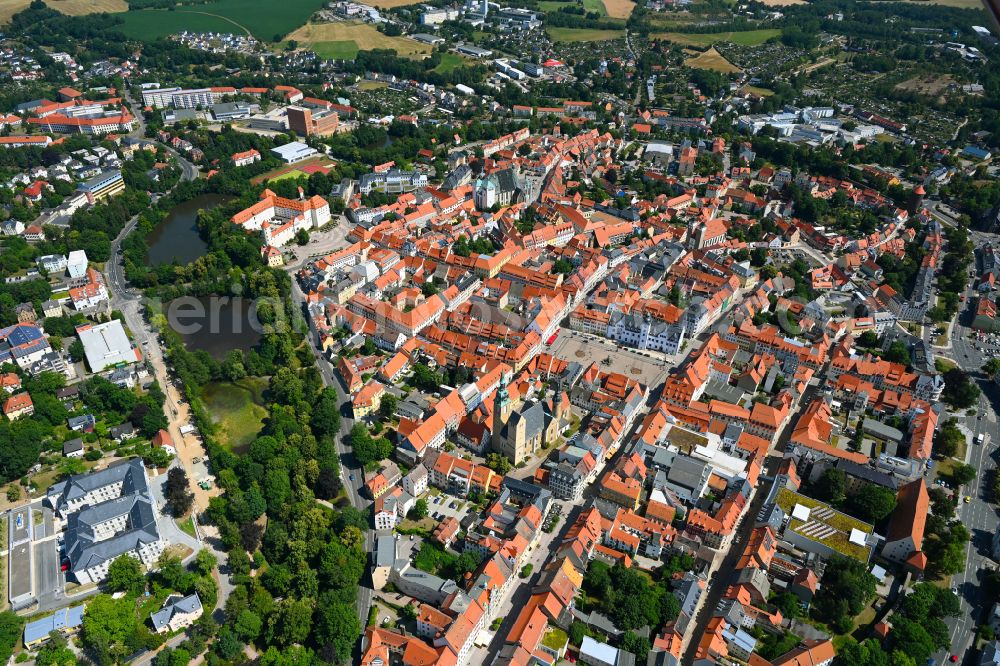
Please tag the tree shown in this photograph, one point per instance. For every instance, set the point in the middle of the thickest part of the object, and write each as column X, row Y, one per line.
column 387, row 406
column 108, row 625
column 788, row 604
column 898, row 352
column 831, row 485
column 419, row 510
column 945, row 547
column 959, row 391
column 872, row 503
column 336, row 627
column 868, row 339
column 250, row 535
column 55, row 652
column 948, row 439
column 204, row 562
column 577, row 632
column 846, row 588
column 962, row 474
column 290, row 622
column 326, row 414
column 125, row 574
column 177, row 492
column 912, row 639
column 562, row 266
column 172, row 572
column 328, row 484
column 76, row 351
column 991, row 367
column 227, row 645
column 233, row 368
column 498, row 463
column 10, row 633
column 637, row 645
column 248, row 625
column 409, row 612
column 866, row 653
column 239, row 562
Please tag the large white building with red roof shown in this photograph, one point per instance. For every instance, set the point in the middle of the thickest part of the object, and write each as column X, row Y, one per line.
column 278, row 219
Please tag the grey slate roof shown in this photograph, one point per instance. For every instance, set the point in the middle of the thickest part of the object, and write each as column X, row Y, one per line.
column 990, row 655
column 129, row 472
column 686, row 472
column 385, row 551
column 174, row 605
column 82, row 545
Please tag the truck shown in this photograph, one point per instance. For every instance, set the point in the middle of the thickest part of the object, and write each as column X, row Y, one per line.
column 979, row 439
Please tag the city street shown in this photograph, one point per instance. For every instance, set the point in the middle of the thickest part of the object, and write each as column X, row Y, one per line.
column 979, row 515
column 522, row 587
column 352, row 475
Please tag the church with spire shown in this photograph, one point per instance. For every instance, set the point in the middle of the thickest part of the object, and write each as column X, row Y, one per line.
column 520, row 431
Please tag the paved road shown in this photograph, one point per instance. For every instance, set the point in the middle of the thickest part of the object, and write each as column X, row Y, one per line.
column 979, row 515
column 520, row 593
column 351, row 473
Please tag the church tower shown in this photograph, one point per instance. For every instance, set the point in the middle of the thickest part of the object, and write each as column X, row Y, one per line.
column 501, row 414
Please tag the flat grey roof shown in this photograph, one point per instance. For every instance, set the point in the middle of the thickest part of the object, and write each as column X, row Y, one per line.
column 21, row 587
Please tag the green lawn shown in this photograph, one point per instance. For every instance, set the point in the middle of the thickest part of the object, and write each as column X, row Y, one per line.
column 449, row 62
column 187, row 525
column 267, row 21
column 588, row 5
column 584, row 35
column 293, row 174
column 338, row 50
column 237, row 407
column 745, row 38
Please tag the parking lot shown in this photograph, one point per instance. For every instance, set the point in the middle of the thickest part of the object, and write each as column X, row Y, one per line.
column 444, row 506
column 648, row 367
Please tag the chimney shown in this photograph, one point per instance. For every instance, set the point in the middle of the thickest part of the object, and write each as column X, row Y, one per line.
column 302, row 194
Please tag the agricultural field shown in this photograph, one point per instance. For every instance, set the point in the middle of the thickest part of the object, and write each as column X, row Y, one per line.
column 744, row 38
column 344, row 40
column 267, row 21
column 621, row 9
column 71, row 7
column 152, row 24
column 584, row 35
column 712, row 59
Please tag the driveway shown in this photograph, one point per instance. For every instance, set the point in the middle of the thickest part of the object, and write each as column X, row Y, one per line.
column 169, row 529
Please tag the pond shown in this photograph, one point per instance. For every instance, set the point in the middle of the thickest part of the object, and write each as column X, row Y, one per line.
column 216, row 324
column 237, row 408
column 176, row 238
